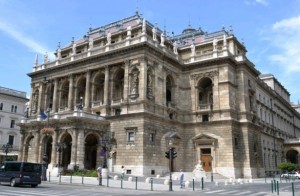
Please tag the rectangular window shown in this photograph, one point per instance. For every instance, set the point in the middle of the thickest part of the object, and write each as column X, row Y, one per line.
column 12, row 124
column 11, row 139
column 12, row 108
column 131, row 136
column 204, row 118
column 236, row 144
column 151, row 137
column 1, row 106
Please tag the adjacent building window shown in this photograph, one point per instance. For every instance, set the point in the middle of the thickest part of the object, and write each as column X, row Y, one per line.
column 12, row 124
column 16, row 109
column 1, row 106
column 11, row 139
column 12, row 108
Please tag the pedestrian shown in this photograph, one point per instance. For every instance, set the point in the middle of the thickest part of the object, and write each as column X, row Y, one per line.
column 181, row 179
column 122, row 172
column 99, row 172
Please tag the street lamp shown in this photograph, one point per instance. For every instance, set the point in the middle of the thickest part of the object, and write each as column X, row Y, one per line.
column 106, row 144
column 46, row 131
column 60, row 147
column 6, row 149
column 80, row 107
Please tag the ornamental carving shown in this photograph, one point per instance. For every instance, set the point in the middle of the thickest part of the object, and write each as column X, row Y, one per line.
column 210, row 74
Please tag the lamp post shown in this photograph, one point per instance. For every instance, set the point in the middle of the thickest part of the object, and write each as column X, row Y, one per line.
column 80, row 107
column 60, row 146
column 170, row 163
column 6, row 149
column 106, row 142
column 46, row 131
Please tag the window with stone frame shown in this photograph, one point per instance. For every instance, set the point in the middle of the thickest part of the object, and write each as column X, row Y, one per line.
column 12, row 124
column 118, row 85
column 130, row 134
column 11, row 139
column 1, row 106
column 205, row 95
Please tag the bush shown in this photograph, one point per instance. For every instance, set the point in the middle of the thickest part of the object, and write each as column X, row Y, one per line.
column 287, row 166
column 85, row 173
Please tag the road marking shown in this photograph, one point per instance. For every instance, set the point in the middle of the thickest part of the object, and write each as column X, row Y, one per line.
column 217, row 191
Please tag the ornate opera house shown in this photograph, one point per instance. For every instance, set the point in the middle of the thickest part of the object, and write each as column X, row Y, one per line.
column 127, row 92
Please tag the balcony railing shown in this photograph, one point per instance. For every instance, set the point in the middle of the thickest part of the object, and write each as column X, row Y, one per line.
column 206, row 106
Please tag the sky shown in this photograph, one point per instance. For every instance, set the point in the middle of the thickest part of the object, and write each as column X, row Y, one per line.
column 270, row 30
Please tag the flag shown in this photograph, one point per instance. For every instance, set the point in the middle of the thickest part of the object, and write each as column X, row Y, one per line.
column 43, row 114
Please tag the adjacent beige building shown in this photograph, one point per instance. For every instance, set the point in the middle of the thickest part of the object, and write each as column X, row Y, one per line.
column 130, row 89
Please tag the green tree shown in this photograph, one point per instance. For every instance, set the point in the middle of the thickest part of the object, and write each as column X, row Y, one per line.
column 287, row 166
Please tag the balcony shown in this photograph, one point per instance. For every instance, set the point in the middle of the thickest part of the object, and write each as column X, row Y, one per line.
column 205, row 107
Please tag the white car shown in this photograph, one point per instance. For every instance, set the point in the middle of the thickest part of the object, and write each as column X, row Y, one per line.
column 291, row 175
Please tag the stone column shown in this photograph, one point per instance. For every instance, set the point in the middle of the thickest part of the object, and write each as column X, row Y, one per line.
column 143, row 79
column 40, row 101
column 80, row 149
column 37, row 147
column 126, row 81
column 87, row 91
column 54, row 106
column 22, row 146
column 74, row 148
column 70, row 96
column 106, row 84
column 31, row 98
column 54, row 161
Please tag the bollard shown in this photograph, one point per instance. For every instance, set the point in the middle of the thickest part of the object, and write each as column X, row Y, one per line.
column 71, row 179
column 272, row 185
column 59, row 177
column 277, row 188
column 293, row 189
column 193, row 184
column 136, row 179
column 202, row 184
column 82, row 179
column 49, row 177
column 107, row 181
column 151, row 181
column 100, row 180
column 121, row 182
column 274, row 182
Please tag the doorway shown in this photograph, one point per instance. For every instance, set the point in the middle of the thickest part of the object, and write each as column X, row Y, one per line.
column 206, row 159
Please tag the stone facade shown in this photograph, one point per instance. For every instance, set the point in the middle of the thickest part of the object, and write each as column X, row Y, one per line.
column 126, row 92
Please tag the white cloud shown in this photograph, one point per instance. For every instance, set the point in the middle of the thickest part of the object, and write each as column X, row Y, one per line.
column 285, row 36
column 255, row 2
column 21, row 38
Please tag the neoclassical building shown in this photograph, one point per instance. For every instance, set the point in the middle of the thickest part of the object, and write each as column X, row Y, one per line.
column 126, row 92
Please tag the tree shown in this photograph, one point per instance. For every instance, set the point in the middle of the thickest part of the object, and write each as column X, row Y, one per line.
column 287, row 166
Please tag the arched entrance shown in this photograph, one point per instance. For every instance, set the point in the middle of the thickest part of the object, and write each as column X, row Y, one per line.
column 90, row 155
column 66, row 153
column 292, row 156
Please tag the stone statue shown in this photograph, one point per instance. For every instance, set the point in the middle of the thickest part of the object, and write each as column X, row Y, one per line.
column 215, row 42
column 46, row 57
column 129, row 31
column 134, row 83
column 192, row 49
column 154, row 33
column 175, row 47
column 162, row 39
column 108, row 38
column 198, row 171
column 91, row 42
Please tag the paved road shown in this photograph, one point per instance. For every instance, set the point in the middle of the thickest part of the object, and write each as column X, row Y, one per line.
column 53, row 188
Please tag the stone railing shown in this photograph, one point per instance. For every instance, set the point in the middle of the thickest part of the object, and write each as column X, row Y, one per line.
column 206, row 106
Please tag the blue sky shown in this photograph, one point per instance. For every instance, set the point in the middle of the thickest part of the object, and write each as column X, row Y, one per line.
column 270, row 30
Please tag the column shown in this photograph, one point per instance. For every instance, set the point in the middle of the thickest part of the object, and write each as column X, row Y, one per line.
column 40, row 101
column 54, row 160
column 54, row 107
column 74, row 148
column 22, row 146
column 70, row 96
column 80, row 149
column 106, row 83
column 126, row 81
column 37, row 147
column 87, row 90
column 143, row 78
column 31, row 98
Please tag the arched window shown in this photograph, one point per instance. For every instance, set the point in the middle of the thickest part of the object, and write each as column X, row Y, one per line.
column 64, row 95
column 99, row 88
column 118, row 85
column 169, row 90
column 205, row 93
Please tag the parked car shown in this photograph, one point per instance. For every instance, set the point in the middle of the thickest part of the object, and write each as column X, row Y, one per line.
column 20, row 173
column 291, row 175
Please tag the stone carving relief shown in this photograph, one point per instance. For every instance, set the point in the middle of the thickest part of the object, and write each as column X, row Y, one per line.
column 150, row 84
column 210, row 74
column 134, row 83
